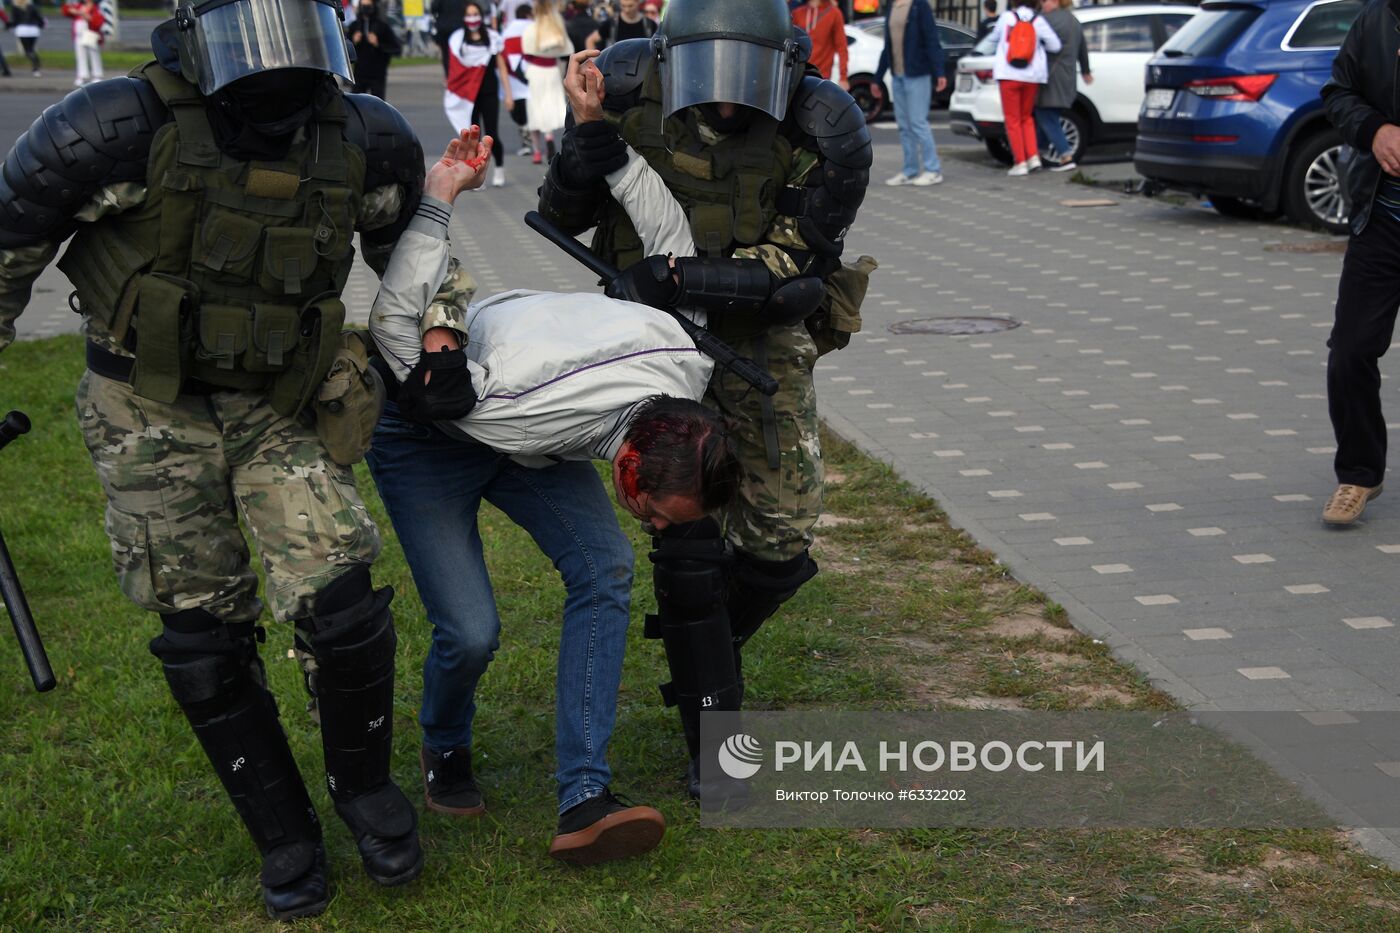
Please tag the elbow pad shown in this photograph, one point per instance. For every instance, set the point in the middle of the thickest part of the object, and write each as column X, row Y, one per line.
column 719, row 286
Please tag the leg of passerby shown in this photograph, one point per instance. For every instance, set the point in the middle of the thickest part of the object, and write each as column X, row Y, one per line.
column 1026, row 107
column 1015, row 115
column 918, row 93
column 1048, row 119
column 95, row 62
column 29, row 43
column 1367, row 298
column 905, row 117
column 5, row 66
column 80, row 63
column 488, row 116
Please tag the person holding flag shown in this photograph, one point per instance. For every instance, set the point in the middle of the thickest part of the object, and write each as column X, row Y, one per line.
column 88, row 35
column 476, row 77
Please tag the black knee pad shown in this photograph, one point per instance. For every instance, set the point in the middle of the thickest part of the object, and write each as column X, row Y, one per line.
column 760, row 587
column 208, row 664
column 351, row 630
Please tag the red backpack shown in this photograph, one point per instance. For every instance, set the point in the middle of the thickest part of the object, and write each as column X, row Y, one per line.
column 1021, row 42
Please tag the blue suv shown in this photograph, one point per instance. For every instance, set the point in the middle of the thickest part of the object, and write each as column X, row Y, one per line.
column 1232, row 110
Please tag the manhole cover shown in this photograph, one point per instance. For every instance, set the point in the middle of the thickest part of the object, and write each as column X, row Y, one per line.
column 953, row 326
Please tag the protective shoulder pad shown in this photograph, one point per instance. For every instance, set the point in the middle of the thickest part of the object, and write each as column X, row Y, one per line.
column 830, row 116
column 96, row 136
column 393, row 154
column 625, row 67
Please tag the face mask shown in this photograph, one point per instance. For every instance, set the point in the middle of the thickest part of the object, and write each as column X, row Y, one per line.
column 472, row 22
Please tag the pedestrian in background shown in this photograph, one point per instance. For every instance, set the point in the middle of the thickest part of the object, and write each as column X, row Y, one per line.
column 375, row 44
column 914, row 57
column 822, row 20
column 1061, row 87
column 582, row 25
column 447, row 15
column 4, row 65
column 28, row 23
column 514, row 54
column 1361, row 102
column 989, row 21
column 87, row 40
column 477, row 79
column 628, row 24
column 1020, row 78
column 652, row 12
column 545, row 41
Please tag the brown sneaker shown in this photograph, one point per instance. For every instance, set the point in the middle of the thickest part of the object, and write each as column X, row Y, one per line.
column 604, row 828
column 1348, row 502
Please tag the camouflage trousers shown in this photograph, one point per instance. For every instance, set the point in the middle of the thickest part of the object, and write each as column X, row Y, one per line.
column 772, row 518
column 178, row 478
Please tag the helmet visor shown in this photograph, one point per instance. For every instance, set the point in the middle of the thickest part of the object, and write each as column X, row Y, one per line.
column 725, row 70
column 247, row 37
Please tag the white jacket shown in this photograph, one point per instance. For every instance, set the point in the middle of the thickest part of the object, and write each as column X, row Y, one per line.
column 558, row 375
column 1038, row 71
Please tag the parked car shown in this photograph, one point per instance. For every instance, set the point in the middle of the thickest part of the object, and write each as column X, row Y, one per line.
column 866, row 40
column 1232, row 110
column 1121, row 40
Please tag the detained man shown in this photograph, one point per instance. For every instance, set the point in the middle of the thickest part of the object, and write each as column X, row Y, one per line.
column 509, row 403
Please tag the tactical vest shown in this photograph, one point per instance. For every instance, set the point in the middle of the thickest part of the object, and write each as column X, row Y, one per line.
column 729, row 189
column 230, row 272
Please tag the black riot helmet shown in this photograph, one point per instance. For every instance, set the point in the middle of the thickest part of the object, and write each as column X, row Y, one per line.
column 223, row 41
column 728, row 51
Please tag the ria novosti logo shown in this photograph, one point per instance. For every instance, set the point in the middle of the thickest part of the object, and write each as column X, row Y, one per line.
column 740, row 756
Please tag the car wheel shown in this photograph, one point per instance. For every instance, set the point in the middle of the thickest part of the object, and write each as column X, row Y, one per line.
column 1000, row 150
column 869, row 96
column 1076, row 131
column 1242, row 210
column 1312, row 192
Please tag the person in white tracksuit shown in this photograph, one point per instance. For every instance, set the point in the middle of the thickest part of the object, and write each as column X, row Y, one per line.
column 547, row 382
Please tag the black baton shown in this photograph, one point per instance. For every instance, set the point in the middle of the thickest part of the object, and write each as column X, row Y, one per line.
column 14, row 425
column 707, row 343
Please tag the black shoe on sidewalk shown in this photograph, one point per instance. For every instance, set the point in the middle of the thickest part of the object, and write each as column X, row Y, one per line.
column 448, row 784
column 604, row 828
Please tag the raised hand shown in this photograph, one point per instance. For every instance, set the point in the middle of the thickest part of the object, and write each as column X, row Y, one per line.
column 583, row 84
column 461, row 168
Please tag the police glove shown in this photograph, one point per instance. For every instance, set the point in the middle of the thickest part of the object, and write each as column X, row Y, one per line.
column 648, row 282
column 447, row 397
column 590, row 152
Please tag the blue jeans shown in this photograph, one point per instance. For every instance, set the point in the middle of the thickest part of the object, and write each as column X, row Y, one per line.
column 1048, row 119
column 432, row 485
column 912, row 97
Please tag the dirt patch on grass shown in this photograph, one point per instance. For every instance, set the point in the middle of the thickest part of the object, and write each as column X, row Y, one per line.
column 1026, row 625
column 828, row 520
column 1101, row 694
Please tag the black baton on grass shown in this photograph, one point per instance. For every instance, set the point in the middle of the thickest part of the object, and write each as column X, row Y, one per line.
column 707, row 343
column 14, row 425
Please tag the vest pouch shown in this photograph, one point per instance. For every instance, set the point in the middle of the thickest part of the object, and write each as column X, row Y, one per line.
column 712, row 228
column 226, row 247
column 349, row 400
column 321, row 323
column 276, row 333
column 832, row 326
column 332, row 222
column 223, row 337
column 289, row 260
column 164, row 332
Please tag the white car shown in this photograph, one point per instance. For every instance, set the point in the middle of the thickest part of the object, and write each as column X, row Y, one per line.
column 1120, row 38
column 866, row 40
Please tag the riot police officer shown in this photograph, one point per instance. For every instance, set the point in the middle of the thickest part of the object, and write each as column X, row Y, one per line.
column 211, row 199
column 770, row 163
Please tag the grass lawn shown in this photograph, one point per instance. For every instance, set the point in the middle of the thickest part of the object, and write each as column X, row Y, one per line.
column 110, row 818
